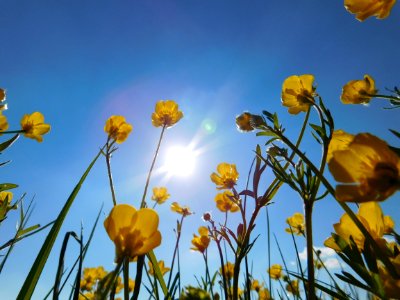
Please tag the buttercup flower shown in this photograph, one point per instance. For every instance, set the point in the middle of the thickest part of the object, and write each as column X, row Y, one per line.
column 275, row 271
column 224, row 202
column 166, row 114
column 391, row 285
column 5, row 195
column 134, row 232
column 358, row 91
column 34, row 127
column 298, row 93
column 200, row 243
column 160, row 195
column 3, row 123
column 368, row 169
column 296, row 223
column 243, row 122
column 226, row 177
column 340, row 141
column 182, row 210
column 364, row 9
column 293, row 287
column 91, row 276
column 255, row 285
column 264, row 294
column 229, row 269
column 117, row 128
column 162, row 267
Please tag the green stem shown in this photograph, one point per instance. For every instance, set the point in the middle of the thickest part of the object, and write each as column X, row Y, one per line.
column 310, row 258
column 385, row 97
column 138, row 278
column 108, row 158
column 13, row 131
column 125, row 270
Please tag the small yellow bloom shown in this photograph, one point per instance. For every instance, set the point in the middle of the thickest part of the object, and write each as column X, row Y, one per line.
column 264, row 294
column 182, row 210
column 358, row 91
column 340, row 141
column 275, row 271
column 296, row 223
column 298, row 93
column 368, row 169
column 5, row 195
column 160, row 195
column 3, row 123
column 243, row 122
column 131, row 284
column 34, row 127
column 166, row 114
column 293, row 287
column 225, row 203
column 200, row 243
column 255, row 285
column 162, row 267
column 134, row 232
column 364, row 9
column 226, row 177
column 117, row 128
column 91, row 276
column 229, row 269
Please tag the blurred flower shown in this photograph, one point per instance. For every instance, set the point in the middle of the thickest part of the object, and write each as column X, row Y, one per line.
column 244, row 122
column 207, row 217
column 229, row 269
column 162, row 267
column 87, row 296
column 200, row 243
column 296, row 223
column 255, row 285
column 391, row 285
column 226, row 177
column 160, row 195
column 2, row 95
column 3, row 123
column 389, row 224
column 119, row 286
column 364, row 9
column 293, row 287
column 131, row 284
column 194, row 293
column 358, row 91
column 5, row 195
column 368, row 168
column 166, row 114
column 275, row 271
column 298, row 93
column 224, row 202
column 134, row 232
column 34, row 127
column 91, row 276
column 182, row 210
column 264, row 294
column 117, row 128
column 340, row 141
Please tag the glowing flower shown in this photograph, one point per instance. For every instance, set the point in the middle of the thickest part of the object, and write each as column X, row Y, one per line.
column 391, row 285
column 229, row 269
column 243, row 122
column 358, row 91
column 298, row 93
column 296, row 223
column 364, row 9
column 160, row 195
column 293, row 287
column 368, row 169
column 275, row 271
column 117, row 128
column 166, row 114
column 226, row 177
column 225, row 203
column 34, row 127
column 162, row 267
column 182, row 210
column 200, row 243
column 134, row 232
column 340, row 141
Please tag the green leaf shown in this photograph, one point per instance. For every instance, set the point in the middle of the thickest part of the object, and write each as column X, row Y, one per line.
column 7, row 186
column 157, row 272
column 8, row 143
column 27, row 230
column 266, row 133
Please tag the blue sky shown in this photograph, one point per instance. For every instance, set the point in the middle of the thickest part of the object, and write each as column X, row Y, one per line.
column 80, row 62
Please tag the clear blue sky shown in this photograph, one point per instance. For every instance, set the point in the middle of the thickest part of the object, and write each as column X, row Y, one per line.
column 78, row 62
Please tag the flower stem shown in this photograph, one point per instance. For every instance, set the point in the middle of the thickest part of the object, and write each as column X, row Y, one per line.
column 310, row 258
column 125, row 270
column 109, row 151
column 138, row 278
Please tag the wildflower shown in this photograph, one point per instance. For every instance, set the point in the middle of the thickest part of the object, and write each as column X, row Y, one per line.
column 389, row 224
column 391, row 285
column 225, row 203
column 368, row 169
column 182, row 210
column 200, row 243
column 371, row 216
column 134, row 232
column 298, row 93
column 5, row 195
column 296, row 223
column 131, row 285
column 358, row 91
column 293, row 287
column 91, row 276
column 364, row 9
column 117, row 128
column 275, row 271
column 162, row 267
column 160, row 195
column 3, row 122
column 340, row 141
column 264, row 294
column 166, row 114
column 255, row 285
column 244, row 122
column 34, row 127
column 226, row 177
column 229, row 269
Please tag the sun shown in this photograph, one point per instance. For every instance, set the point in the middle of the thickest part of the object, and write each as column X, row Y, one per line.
column 180, row 161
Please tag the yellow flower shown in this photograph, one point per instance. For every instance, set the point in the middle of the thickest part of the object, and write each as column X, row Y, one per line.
column 182, row 210
column 166, row 114
column 226, row 177
column 160, row 195
column 298, row 93
column 229, row 269
column 364, row 9
column 293, row 287
column 243, row 122
column 134, row 232
column 391, row 285
column 264, row 294
column 368, row 169
column 162, row 267
column 296, row 223
column 2, row 95
column 117, row 128
column 5, row 195
column 200, row 243
column 389, row 224
column 371, row 216
column 275, row 271
column 340, row 141
column 34, row 127
column 358, row 91
column 131, row 284
column 224, row 202
column 3, row 123
column 91, row 276
column 255, row 285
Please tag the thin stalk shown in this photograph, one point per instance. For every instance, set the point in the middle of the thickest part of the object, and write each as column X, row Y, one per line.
column 125, row 270
column 175, row 250
column 221, row 258
column 108, row 161
column 208, row 274
column 13, row 131
column 236, row 271
column 310, row 257
column 386, row 97
column 138, row 279
column 248, row 282
column 269, row 247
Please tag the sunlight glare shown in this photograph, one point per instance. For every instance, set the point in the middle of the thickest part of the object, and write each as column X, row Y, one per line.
column 180, row 161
